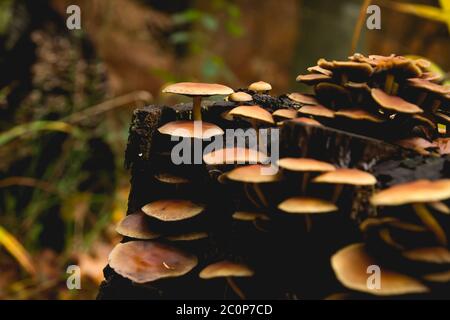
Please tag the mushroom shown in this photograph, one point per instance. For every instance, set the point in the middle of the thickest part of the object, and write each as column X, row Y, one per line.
column 435, row 255
column 394, row 103
column 351, row 70
column 136, row 226
column 284, row 114
column 255, row 175
column 260, row 87
column 234, row 155
column 318, row 111
column 308, row 121
column 303, row 98
column 333, row 95
column 320, row 70
column 417, row 193
column 350, row 266
column 227, row 270
column 249, row 216
column 197, row 91
column 172, row 210
column 358, row 114
column 169, row 178
column 191, row 129
column 341, row 177
column 305, row 165
column 439, row 92
column 191, row 236
column 306, row 206
column 420, row 145
column 240, row 96
column 313, row 78
column 147, row 261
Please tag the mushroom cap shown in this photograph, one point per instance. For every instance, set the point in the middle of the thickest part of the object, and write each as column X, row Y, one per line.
column 240, row 96
column 234, row 155
column 198, row 89
column 260, row 86
column 438, row 276
column 394, row 103
column 136, row 226
column 326, row 91
column 312, row 78
column 305, row 164
column 285, row 113
column 323, row 63
column 191, row 129
column 308, row 121
column 437, row 255
column 169, row 178
column 320, row 70
column 253, row 113
column 357, row 86
column 419, row 191
column 417, row 144
column 361, row 68
column 226, row 269
column 303, row 98
column 318, row 110
column 350, row 266
column 252, row 174
column 191, row 236
column 347, row 176
column 146, row 261
column 249, row 216
column 429, row 86
column 306, row 205
column 432, row 76
column 172, row 209
column 358, row 114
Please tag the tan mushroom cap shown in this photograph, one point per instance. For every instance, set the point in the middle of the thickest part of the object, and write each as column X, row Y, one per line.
column 146, row 261
column 198, row 89
column 437, row 255
column 417, row 144
column 394, row 103
column 191, row 236
column 169, row 178
column 249, row 216
column 136, row 226
column 240, row 97
column 347, row 176
column 285, row 113
column 260, row 86
column 308, row 121
column 353, row 66
column 234, row 155
column 303, row 98
column 358, row 114
column 255, row 173
column 305, row 164
column 357, row 85
column 350, row 266
column 253, row 113
column 306, row 205
column 419, row 191
column 191, row 129
column 319, row 69
column 312, row 78
column 318, row 110
column 226, row 269
column 172, row 209
column 439, row 277
column 323, row 63
column 429, row 86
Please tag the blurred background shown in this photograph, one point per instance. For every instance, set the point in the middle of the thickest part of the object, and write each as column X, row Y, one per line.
column 66, row 100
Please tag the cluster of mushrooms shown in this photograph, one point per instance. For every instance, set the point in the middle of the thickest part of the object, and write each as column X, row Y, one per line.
column 407, row 239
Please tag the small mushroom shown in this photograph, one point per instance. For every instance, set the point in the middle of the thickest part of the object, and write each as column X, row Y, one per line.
column 430, row 88
column 308, row 121
column 253, row 114
column 172, row 209
column 420, row 145
column 341, row 177
column 320, row 70
column 394, row 103
column 169, row 178
column 191, row 129
column 417, row 194
column 136, row 226
column 284, row 114
column 318, row 111
column 197, row 91
column 260, row 87
column 147, row 261
column 228, row 270
column 313, row 78
column 235, row 155
column 350, row 266
column 303, row 99
column 358, row 114
column 240, row 97
column 333, row 95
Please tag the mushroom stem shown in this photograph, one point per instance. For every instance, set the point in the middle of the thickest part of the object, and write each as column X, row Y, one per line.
column 260, row 195
column 305, row 181
column 308, row 222
column 395, row 87
column 430, row 222
column 389, row 83
column 235, row 288
column 337, row 192
column 197, row 108
column 421, row 98
column 435, row 106
column 249, row 196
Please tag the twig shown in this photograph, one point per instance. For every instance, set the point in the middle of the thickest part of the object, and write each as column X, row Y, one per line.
column 359, row 25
